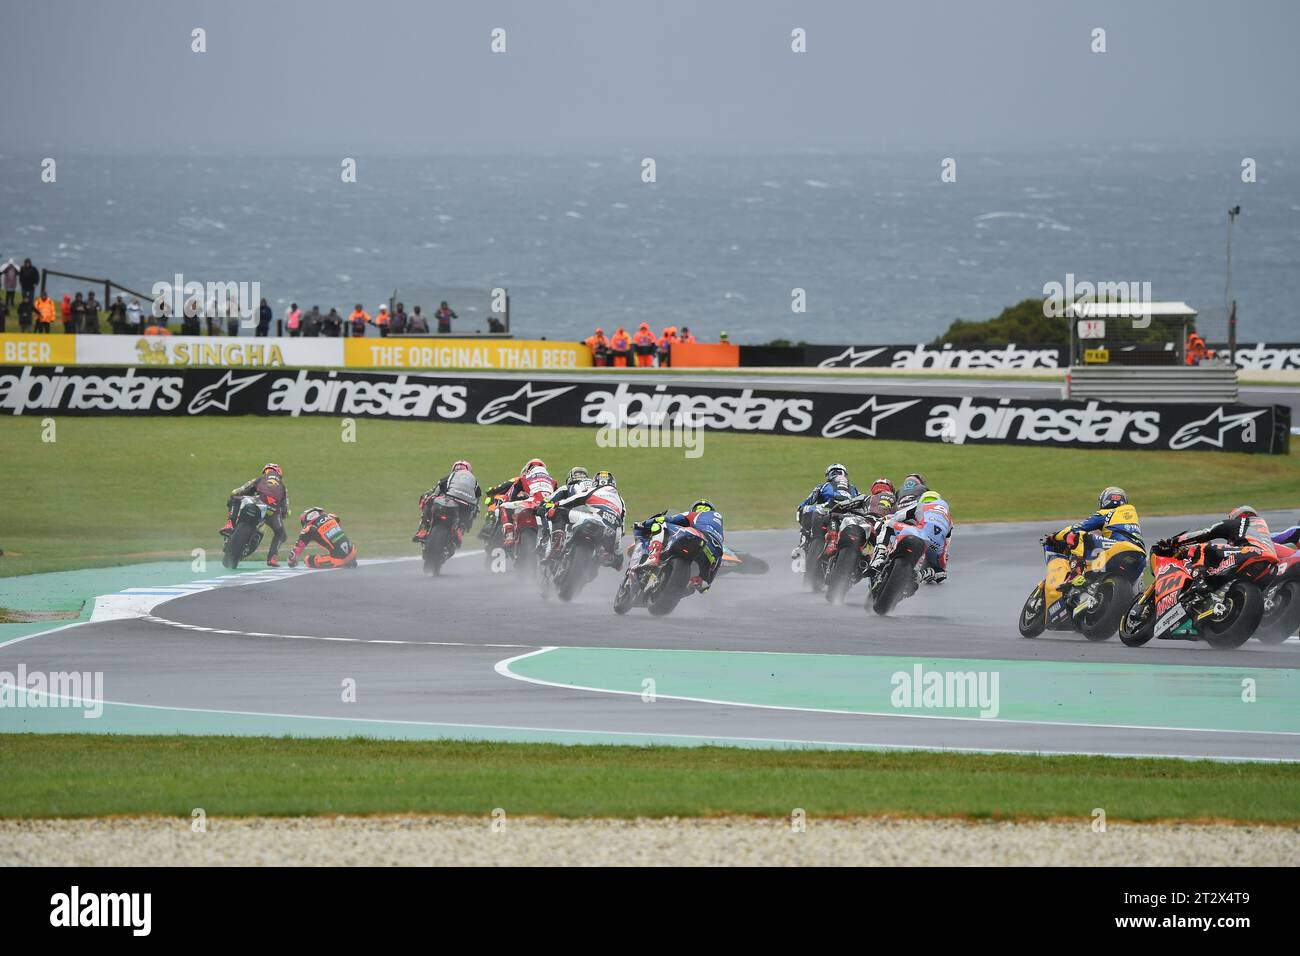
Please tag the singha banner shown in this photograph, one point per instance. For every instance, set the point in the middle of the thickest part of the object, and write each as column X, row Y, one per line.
column 523, row 401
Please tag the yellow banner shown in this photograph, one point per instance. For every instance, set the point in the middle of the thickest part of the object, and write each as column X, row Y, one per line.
column 439, row 353
column 1096, row 356
column 19, row 349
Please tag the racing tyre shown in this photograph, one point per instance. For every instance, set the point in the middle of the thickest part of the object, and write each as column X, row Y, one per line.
column 1245, row 608
column 1138, row 623
column 1282, row 617
column 626, row 595
column 672, row 590
column 237, row 545
column 435, row 548
column 1102, row 621
column 574, row 571
column 526, row 550
column 812, row 568
column 1033, row 616
column 899, row 575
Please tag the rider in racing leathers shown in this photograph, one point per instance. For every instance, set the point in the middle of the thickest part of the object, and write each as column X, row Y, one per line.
column 1243, row 528
column 601, row 495
column 1114, row 519
column 269, row 486
column 533, row 486
column 1289, row 537
column 576, row 483
column 836, row 486
column 924, row 508
column 705, row 518
column 322, row 528
column 461, row 487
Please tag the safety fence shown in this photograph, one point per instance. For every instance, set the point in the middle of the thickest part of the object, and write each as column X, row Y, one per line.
column 585, row 402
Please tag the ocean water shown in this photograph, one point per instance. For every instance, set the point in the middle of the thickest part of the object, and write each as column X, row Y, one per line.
column 884, row 250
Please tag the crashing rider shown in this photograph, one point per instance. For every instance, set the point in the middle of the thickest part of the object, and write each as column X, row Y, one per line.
column 322, row 528
column 703, row 517
column 533, row 486
column 461, row 487
column 926, row 509
column 600, row 494
column 1243, row 528
column 1114, row 520
column 835, row 487
column 268, row 486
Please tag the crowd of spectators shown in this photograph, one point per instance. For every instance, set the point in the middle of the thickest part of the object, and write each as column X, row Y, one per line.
column 642, row 349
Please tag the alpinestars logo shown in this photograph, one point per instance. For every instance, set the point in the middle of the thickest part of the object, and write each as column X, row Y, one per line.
column 851, row 358
column 519, row 406
column 863, row 419
column 1213, row 428
column 218, row 394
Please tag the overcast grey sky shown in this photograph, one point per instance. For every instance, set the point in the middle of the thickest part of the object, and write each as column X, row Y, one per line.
column 329, row 75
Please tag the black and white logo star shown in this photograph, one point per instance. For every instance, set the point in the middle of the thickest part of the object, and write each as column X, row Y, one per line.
column 864, row 419
column 1211, row 429
column 218, row 394
column 850, row 358
column 519, row 405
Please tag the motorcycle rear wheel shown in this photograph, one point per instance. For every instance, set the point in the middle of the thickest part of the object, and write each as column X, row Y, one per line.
column 900, row 575
column 1281, row 622
column 435, row 548
column 1246, row 607
column 1138, row 623
column 1102, row 621
column 672, row 590
column 237, row 543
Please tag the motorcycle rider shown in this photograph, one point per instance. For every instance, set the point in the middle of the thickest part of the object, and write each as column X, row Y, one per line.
column 322, row 528
column 1289, row 537
column 705, row 518
column 601, row 494
column 1115, row 519
column 1243, row 528
column 533, row 486
column 268, row 486
column 461, row 487
column 576, row 483
column 926, row 509
column 874, row 506
column 836, row 486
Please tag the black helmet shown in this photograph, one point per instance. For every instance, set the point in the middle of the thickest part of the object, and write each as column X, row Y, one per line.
column 577, row 473
column 1111, row 497
column 604, row 478
column 913, row 487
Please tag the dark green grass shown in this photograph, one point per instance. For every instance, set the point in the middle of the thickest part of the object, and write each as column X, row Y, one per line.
column 80, row 775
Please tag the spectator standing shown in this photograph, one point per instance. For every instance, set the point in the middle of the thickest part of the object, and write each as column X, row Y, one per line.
column 665, row 346
column 417, row 322
column 45, row 311
column 66, row 316
column 686, row 338
column 599, row 346
column 397, row 325
column 620, row 347
column 381, row 320
column 264, row 317
column 190, row 313
column 311, row 323
column 444, row 315
column 357, row 321
column 92, row 314
column 117, row 316
column 28, row 277
column 234, row 316
column 135, row 318
column 643, row 343
column 9, row 273
column 334, row 324
column 293, row 320
column 24, row 315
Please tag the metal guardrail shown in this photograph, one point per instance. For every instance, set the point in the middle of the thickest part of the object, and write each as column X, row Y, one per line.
column 1166, row 383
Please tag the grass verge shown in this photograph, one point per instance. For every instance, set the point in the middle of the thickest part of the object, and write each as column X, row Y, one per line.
column 82, row 775
column 121, row 490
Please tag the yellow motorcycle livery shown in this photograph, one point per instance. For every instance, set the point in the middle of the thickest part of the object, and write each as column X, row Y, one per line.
column 1090, row 581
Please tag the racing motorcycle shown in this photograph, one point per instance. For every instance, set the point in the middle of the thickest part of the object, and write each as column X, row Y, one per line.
column 1200, row 592
column 814, row 572
column 846, row 554
column 662, row 578
column 442, row 514
column 246, row 535
column 523, row 553
column 577, row 542
column 1281, row 599
column 897, row 577
column 1083, row 594
column 741, row 562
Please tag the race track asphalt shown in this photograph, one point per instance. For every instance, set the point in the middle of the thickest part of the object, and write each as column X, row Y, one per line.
column 426, row 651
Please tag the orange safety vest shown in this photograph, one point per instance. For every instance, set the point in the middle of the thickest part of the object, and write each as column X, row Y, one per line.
column 358, row 316
column 644, row 337
column 620, row 342
column 44, row 310
column 687, row 339
column 596, row 341
column 381, row 318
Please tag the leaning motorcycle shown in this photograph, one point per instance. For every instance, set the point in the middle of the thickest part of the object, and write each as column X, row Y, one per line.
column 1199, row 593
column 847, row 550
column 577, row 541
column 1281, row 599
column 663, row 576
column 246, row 535
column 1082, row 593
column 896, row 579
column 522, row 555
column 442, row 517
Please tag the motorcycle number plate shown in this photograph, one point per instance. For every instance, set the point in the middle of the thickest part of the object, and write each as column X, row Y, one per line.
column 1176, row 614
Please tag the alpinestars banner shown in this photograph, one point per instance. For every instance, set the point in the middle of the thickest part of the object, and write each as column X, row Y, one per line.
column 521, row 401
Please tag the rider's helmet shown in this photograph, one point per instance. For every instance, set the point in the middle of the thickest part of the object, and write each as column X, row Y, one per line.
column 882, row 484
column 930, row 496
column 576, row 473
column 703, row 504
column 836, row 469
column 534, row 466
column 460, row 464
column 1241, row 512
column 841, row 484
column 1111, row 497
column 273, row 468
column 913, row 486
column 604, row 478
column 311, row 514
